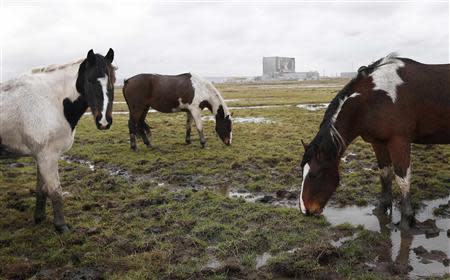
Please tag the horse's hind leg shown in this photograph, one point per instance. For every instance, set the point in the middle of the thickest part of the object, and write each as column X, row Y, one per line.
column 386, row 176
column 132, row 127
column 188, row 128
column 144, row 129
column 48, row 169
column 400, row 153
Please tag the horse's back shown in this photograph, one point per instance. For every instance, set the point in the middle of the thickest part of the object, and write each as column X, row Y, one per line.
column 161, row 92
column 413, row 102
column 29, row 118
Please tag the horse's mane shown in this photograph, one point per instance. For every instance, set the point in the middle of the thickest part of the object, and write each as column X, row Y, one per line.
column 328, row 140
column 54, row 67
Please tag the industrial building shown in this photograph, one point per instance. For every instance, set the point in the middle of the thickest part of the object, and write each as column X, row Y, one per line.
column 283, row 68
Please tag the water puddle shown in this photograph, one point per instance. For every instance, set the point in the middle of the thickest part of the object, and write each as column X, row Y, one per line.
column 402, row 243
column 430, row 259
column 87, row 163
column 112, row 170
column 242, row 119
column 259, row 107
column 313, row 107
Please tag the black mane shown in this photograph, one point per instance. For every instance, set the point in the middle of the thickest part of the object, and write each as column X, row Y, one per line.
column 325, row 140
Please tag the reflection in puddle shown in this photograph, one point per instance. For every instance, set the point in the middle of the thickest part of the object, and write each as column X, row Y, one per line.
column 402, row 243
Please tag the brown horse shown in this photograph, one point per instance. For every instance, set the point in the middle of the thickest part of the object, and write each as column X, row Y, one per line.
column 168, row 94
column 391, row 103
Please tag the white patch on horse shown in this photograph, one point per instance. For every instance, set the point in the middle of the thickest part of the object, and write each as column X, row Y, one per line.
column 386, row 77
column 404, row 182
column 305, row 173
column 205, row 91
column 103, row 82
column 231, row 137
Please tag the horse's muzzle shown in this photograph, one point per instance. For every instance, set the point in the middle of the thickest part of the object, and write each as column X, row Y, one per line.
column 227, row 141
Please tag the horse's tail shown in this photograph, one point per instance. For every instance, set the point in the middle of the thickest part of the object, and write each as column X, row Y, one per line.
column 125, row 81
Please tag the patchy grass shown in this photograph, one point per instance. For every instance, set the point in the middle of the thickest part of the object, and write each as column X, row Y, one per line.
column 158, row 214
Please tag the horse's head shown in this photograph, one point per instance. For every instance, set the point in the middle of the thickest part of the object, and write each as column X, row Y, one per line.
column 320, row 178
column 223, row 126
column 95, row 82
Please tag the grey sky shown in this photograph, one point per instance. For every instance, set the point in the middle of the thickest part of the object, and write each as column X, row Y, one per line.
column 221, row 38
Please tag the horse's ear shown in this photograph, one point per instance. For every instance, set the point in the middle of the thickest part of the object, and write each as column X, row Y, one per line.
column 110, row 56
column 305, row 146
column 91, row 56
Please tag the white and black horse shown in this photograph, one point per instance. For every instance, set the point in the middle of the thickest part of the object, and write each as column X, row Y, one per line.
column 38, row 114
column 164, row 93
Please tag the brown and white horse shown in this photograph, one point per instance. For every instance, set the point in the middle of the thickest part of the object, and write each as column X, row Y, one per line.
column 168, row 94
column 38, row 114
column 391, row 103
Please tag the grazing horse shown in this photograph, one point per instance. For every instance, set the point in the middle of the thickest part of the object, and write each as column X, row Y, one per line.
column 38, row 114
column 168, row 94
column 391, row 103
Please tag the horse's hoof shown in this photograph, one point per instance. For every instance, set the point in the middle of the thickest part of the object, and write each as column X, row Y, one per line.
column 61, row 229
column 133, row 149
column 38, row 220
column 203, row 145
column 188, row 142
column 149, row 146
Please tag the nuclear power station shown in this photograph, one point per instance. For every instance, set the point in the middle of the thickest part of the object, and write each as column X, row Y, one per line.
column 283, row 68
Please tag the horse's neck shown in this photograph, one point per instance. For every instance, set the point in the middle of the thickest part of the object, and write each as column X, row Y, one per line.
column 62, row 82
column 216, row 100
column 346, row 127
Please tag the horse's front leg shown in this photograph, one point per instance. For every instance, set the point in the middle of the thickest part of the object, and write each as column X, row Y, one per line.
column 48, row 169
column 188, row 128
column 386, row 176
column 400, row 153
column 41, row 200
column 197, row 116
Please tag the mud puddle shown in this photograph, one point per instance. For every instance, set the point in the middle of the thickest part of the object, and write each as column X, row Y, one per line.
column 313, row 107
column 112, row 170
column 426, row 248
column 242, row 119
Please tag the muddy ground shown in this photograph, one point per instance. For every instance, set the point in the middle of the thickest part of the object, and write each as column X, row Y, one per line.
column 182, row 212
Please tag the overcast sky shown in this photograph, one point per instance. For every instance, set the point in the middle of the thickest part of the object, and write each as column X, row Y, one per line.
column 221, row 38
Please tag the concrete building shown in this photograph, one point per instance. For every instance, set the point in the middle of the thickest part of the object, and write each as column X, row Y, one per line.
column 348, row 75
column 283, row 68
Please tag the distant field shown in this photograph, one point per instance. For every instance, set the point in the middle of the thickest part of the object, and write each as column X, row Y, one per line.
column 165, row 213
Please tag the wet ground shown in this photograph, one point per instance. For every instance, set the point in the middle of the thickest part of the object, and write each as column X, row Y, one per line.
column 425, row 248
column 177, row 211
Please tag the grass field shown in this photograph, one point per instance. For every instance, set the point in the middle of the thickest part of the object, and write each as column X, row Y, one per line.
column 161, row 213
